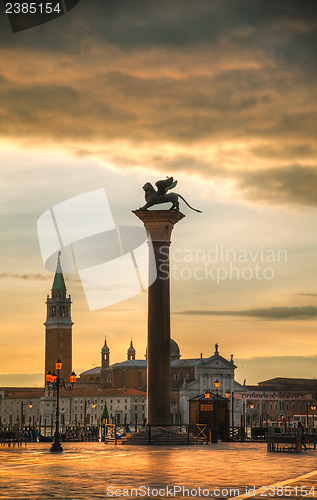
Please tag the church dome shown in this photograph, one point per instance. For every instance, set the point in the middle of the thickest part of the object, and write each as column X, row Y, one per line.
column 175, row 352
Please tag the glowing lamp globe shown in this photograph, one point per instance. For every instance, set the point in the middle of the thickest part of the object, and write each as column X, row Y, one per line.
column 58, row 365
column 72, row 377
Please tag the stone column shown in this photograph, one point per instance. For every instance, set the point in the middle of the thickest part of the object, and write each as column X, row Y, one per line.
column 159, row 223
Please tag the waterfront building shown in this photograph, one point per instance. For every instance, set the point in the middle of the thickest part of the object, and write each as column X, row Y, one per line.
column 79, row 407
column 280, row 401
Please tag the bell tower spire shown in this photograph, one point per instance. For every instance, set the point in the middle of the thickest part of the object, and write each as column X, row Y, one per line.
column 58, row 325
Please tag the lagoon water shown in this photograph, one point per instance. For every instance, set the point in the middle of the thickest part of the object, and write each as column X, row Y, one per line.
column 94, row 470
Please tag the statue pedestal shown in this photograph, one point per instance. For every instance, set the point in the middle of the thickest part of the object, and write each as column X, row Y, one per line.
column 159, row 223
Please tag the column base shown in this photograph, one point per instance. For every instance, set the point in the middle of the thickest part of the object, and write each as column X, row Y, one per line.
column 159, row 435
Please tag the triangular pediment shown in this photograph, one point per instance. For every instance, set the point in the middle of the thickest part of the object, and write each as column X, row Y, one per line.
column 216, row 361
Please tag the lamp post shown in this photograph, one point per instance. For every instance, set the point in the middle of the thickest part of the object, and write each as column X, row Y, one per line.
column 55, row 383
column 307, row 415
column 228, row 394
column 93, row 405
column 217, row 384
column 23, row 404
column 313, row 408
column 251, row 414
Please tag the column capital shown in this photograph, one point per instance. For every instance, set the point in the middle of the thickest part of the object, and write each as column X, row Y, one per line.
column 159, row 223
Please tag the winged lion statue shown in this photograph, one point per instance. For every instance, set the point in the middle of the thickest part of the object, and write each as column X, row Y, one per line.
column 160, row 195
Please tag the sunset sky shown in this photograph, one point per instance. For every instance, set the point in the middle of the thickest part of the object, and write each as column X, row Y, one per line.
column 222, row 95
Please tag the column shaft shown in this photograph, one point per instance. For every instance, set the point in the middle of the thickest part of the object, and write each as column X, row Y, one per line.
column 158, row 346
column 159, row 223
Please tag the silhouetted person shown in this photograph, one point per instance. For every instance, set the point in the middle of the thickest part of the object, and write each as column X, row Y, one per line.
column 300, row 426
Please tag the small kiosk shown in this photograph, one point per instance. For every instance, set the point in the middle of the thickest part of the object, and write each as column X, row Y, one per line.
column 211, row 410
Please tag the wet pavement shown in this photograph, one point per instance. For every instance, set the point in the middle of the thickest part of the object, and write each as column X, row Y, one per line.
column 95, row 470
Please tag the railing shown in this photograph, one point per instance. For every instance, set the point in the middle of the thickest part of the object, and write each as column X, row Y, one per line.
column 115, row 433
column 285, row 441
column 8, row 438
column 200, row 431
column 46, row 433
column 235, row 433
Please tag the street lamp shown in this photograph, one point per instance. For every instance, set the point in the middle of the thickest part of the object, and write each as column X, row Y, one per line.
column 307, row 414
column 217, row 384
column 54, row 383
column 249, row 416
column 228, row 394
column 93, row 405
column 313, row 408
column 23, row 404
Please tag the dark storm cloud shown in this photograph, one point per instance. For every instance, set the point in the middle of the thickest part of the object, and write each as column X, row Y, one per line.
column 212, row 96
column 230, row 105
column 181, row 22
column 178, row 73
column 273, row 313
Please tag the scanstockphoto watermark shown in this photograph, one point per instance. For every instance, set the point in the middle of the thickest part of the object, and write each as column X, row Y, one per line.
column 171, row 491
column 220, row 263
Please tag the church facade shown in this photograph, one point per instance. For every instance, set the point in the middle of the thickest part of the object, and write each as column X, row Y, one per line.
column 189, row 377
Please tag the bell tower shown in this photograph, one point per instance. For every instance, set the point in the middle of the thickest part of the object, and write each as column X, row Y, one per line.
column 58, row 326
column 131, row 352
column 105, row 356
